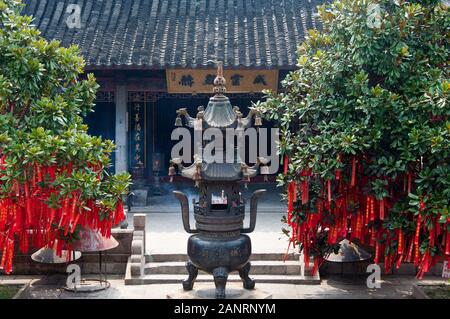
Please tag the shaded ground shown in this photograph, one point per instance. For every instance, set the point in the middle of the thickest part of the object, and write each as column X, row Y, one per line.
column 392, row 287
column 437, row 292
column 7, row 292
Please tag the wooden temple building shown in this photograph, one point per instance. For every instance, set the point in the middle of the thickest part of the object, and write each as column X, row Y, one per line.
column 152, row 57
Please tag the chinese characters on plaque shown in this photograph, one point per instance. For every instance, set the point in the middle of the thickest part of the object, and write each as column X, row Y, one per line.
column 138, row 135
column 238, row 81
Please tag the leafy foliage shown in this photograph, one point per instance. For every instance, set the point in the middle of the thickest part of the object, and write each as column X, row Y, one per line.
column 44, row 144
column 376, row 93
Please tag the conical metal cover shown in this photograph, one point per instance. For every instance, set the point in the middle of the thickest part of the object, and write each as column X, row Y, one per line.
column 47, row 255
column 349, row 252
column 93, row 241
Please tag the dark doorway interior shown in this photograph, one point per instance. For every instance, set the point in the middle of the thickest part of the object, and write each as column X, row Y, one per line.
column 102, row 122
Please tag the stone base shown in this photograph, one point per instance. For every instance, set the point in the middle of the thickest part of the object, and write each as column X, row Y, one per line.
column 208, row 292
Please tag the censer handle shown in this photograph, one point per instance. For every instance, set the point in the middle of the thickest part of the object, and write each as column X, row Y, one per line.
column 253, row 210
column 185, row 212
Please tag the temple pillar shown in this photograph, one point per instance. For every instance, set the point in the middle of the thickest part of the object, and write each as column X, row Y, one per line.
column 121, row 129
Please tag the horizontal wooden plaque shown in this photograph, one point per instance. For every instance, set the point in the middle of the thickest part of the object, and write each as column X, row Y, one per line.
column 238, row 81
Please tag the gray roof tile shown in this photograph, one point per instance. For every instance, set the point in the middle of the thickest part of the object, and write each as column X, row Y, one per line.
column 163, row 34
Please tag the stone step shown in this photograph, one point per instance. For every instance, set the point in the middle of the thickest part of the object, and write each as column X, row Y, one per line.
column 183, row 257
column 177, row 279
column 175, row 209
column 259, row 267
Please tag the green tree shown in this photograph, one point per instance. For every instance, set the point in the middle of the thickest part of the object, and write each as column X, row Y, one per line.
column 53, row 175
column 365, row 128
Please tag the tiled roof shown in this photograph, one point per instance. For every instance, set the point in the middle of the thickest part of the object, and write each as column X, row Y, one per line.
column 162, row 34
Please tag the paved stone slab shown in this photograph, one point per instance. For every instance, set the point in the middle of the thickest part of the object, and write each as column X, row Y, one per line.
column 171, row 278
column 232, row 292
column 392, row 287
column 265, row 267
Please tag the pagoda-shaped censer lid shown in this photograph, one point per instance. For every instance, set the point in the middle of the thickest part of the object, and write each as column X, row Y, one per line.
column 219, row 112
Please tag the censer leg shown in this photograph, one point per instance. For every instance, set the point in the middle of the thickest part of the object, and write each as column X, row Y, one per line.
column 220, row 280
column 188, row 284
column 246, row 280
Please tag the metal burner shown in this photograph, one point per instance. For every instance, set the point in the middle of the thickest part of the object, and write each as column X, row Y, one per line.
column 218, row 244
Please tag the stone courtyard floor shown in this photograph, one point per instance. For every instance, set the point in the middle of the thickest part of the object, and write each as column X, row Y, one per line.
column 165, row 235
column 392, row 287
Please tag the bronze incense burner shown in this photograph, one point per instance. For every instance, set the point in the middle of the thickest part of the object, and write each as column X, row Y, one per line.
column 218, row 245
